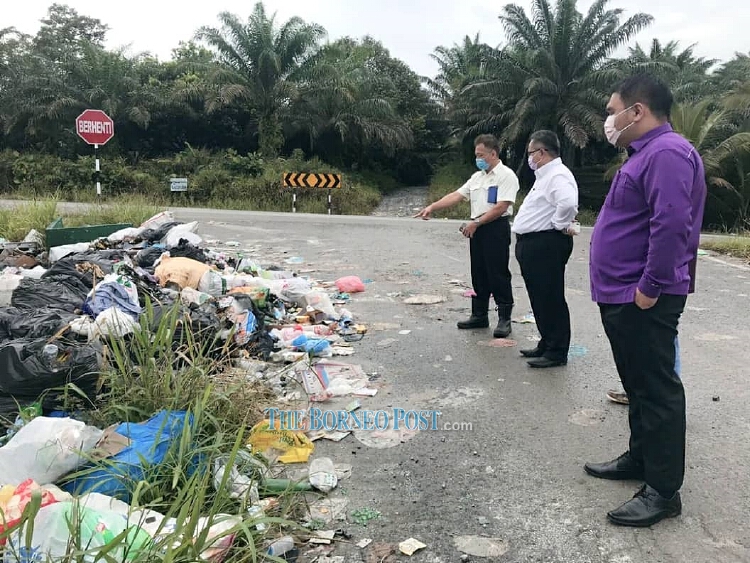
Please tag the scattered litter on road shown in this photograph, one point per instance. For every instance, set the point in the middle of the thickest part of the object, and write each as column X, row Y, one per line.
column 528, row 318
column 448, row 359
column 576, row 351
column 480, row 546
column 410, row 546
column 714, row 337
column 498, row 343
column 231, row 243
column 424, row 299
column 295, row 260
column 716, row 399
column 363, row 516
column 587, row 417
column 363, row 543
column 384, row 326
column 404, row 332
column 469, row 293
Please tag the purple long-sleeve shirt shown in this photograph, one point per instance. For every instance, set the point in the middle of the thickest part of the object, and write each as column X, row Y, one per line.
column 648, row 231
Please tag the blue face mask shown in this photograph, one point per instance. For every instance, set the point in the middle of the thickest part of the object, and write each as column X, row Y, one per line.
column 482, row 164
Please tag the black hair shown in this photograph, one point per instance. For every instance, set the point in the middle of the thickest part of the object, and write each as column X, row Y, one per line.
column 489, row 141
column 548, row 139
column 649, row 91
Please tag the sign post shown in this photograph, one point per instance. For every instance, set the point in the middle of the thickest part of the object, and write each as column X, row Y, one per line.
column 178, row 185
column 310, row 180
column 96, row 128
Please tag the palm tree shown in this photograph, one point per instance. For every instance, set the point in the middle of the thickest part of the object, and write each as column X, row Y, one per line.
column 343, row 101
column 682, row 71
column 261, row 64
column 555, row 70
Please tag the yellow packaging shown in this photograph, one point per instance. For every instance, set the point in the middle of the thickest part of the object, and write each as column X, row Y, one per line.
column 294, row 445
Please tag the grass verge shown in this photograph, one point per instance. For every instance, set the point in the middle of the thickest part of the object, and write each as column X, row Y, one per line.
column 16, row 221
column 738, row 246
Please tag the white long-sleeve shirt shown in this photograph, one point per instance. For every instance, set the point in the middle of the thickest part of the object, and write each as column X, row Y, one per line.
column 552, row 202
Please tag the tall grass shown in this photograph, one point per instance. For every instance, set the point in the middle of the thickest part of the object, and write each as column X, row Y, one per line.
column 17, row 219
column 738, row 246
column 169, row 365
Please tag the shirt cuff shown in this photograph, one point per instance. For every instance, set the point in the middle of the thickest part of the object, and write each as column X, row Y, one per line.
column 650, row 290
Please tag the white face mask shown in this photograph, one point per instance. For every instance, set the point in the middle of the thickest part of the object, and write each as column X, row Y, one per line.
column 533, row 165
column 611, row 131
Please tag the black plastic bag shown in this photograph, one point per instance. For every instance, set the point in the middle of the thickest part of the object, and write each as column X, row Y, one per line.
column 82, row 270
column 155, row 235
column 65, row 296
column 43, row 323
column 186, row 250
column 26, row 374
column 146, row 257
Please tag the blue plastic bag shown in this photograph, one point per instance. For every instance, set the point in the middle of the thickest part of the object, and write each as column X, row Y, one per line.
column 149, row 443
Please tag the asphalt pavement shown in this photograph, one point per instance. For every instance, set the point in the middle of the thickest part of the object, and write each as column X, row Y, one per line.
column 512, row 469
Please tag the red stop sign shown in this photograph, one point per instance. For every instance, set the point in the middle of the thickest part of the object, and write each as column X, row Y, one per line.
column 95, row 127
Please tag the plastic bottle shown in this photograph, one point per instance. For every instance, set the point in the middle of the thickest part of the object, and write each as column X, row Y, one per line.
column 49, row 353
column 256, row 512
column 281, row 546
column 322, row 474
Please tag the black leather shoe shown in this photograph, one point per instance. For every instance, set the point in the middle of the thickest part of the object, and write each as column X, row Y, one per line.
column 546, row 363
column 474, row 322
column 646, row 508
column 503, row 329
column 621, row 469
column 532, row 353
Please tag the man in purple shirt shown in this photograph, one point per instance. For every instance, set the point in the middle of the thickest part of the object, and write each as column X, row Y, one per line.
column 642, row 266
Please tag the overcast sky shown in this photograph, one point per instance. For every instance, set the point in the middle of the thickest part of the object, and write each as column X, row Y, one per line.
column 410, row 29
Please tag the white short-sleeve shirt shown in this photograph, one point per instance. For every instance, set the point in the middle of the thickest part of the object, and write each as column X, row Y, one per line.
column 478, row 190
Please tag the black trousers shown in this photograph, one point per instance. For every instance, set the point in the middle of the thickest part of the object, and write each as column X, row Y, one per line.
column 643, row 346
column 490, row 257
column 542, row 257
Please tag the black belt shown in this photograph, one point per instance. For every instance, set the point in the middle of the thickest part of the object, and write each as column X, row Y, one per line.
column 518, row 236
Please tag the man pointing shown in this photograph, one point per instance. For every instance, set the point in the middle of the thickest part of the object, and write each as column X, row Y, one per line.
column 491, row 192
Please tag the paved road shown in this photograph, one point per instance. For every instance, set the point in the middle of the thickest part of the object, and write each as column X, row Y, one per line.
column 517, row 474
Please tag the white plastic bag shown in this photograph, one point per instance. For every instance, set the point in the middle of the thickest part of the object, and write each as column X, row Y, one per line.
column 51, row 538
column 45, row 449
column 212, row 283
column 158, row 220
column 322, row 474
column 185, row 231
column 113, row 322
column 58, row 252
column 122, row 234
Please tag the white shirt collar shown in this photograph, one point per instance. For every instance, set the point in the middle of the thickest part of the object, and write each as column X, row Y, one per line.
column 542, row 171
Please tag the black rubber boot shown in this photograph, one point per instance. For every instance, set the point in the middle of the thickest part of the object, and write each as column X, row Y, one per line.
column 479, row 317
column 503, row 328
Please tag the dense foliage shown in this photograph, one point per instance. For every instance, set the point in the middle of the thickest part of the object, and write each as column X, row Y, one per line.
column 262, row 88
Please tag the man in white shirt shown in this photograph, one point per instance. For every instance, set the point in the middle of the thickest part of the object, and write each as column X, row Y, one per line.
column 491, row 192
column 544, row 243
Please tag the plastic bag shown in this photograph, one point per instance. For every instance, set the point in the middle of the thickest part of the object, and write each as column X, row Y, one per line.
column 43, row 323
column 45, row 449
column 184, row 231
column 212, row 283
column 319, row 301
column 51, row 538
column 26, row 373
column 58, row 252
column 350, row 284
column 149, row 443
column 46, row 293
column 158, row 220
column 294, row 447
column 113, row 322
column 11, row 509
column 122, row 234
column 294, row 291
column 113, row 291
column 184, row 272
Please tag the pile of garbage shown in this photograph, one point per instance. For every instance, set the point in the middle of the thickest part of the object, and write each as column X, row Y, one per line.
column 60, row 308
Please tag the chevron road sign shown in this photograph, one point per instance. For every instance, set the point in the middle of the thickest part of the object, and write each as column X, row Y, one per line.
column 311, row 180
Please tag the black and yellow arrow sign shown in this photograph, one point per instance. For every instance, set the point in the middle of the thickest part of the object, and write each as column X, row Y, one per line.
column 310, row 180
